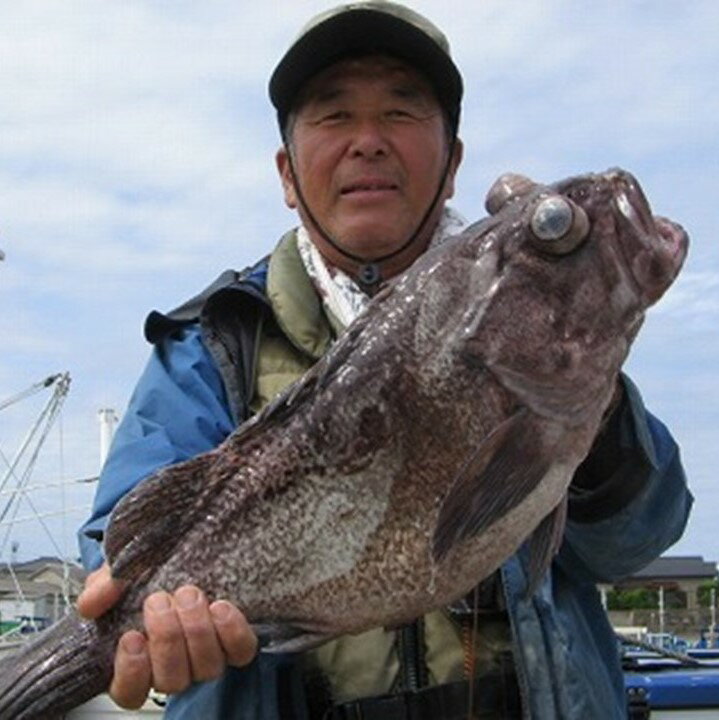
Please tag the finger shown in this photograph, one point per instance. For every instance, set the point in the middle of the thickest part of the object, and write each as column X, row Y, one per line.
column 133, row 672
column 100, row 594
column 166, row 643
column 234, row 632
column 207, row 658
column 96, row 574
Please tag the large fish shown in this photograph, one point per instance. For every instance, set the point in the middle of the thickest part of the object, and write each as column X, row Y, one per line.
column 440, row 432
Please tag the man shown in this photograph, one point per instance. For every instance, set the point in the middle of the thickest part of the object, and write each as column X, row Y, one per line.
column 368, row 102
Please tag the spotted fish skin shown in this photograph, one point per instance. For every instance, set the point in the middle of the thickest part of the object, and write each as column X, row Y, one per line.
column 439, row 433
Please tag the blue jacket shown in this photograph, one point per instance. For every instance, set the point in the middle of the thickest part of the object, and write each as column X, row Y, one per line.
column 566, row 653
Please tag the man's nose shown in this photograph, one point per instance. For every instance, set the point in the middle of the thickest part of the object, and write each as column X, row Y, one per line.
column 369, row 140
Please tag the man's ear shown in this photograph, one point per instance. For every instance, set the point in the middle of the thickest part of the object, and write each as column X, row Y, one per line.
column 282, row 160
column 457, row 155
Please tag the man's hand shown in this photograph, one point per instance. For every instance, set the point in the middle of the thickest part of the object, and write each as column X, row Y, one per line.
column 186, row 639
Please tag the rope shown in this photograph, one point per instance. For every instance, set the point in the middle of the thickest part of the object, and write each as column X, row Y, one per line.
column 686, row 659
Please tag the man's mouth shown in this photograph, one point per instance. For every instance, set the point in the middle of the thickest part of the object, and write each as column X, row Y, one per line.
column 368, row 186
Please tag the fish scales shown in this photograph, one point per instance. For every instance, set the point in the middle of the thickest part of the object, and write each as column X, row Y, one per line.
column 442, row 429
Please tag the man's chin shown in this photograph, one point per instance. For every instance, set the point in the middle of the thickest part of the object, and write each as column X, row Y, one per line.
column 372, row 242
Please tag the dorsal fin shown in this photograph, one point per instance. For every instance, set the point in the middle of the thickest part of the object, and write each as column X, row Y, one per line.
column 147, row 522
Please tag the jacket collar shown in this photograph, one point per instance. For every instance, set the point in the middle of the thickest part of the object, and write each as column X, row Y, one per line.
column 295, row 302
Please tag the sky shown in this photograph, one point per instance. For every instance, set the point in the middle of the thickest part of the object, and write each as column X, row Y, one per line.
column 137, row 162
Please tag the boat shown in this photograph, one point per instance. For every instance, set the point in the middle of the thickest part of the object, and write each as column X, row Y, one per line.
column 26, row 586
column 664, row 684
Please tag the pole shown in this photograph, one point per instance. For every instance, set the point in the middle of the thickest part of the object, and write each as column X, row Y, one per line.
column 661, row 609
column 108, row 420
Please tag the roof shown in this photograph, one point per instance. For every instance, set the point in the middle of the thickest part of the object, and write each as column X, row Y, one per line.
column 679, row 566
column 31, row 590
column 30, row 566
column 32, row 569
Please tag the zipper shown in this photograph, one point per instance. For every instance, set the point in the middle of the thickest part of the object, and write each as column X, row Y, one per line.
column 413, row 668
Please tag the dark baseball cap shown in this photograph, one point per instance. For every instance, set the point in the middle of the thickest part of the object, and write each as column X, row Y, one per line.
column 368, row 28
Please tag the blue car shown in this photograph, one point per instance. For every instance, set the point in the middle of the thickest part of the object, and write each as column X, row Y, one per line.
column 671, row 686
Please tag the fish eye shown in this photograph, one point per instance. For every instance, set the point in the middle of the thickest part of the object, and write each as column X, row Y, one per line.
column 557, row 225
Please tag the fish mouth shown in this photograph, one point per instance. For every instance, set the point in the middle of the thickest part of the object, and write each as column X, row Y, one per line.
column 654, row 247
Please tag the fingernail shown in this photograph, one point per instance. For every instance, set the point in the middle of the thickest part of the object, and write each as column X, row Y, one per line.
column 187, row 597
column 221, row 611
column 133, row 644
column 159, row 602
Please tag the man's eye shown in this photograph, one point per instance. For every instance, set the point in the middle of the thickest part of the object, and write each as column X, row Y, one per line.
column 334, row 116
column 401, row 114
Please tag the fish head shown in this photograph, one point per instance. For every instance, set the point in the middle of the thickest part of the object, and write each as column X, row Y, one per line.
column 576, row 264
column 590, row 226
column 649, row 249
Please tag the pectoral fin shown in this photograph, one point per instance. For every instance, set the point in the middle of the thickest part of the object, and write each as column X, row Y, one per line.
column 544, row 544
column 286, row 637
column 508, row 465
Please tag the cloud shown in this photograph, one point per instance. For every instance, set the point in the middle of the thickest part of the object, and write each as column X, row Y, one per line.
column 556, row 84
column 136, row 162
column 694, row 300
column 120, row 122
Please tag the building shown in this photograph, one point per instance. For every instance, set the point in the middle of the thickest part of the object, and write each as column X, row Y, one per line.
column 683, row 574
column 675, row 582
column 37, row 592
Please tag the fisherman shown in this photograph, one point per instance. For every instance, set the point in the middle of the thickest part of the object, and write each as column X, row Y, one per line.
column 368, row 102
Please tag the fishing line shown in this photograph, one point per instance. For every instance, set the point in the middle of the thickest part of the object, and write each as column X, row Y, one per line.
column 473, row 651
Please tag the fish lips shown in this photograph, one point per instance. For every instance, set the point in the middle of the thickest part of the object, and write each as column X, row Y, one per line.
column 655, row 247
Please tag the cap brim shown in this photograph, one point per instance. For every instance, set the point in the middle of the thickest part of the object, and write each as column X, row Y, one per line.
column 363, row 32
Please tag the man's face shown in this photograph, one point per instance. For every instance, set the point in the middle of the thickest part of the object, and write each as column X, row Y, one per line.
column 369, row 146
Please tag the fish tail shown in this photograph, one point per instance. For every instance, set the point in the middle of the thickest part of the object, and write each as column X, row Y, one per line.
column 66, row 665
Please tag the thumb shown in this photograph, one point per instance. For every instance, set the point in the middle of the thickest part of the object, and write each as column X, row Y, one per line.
column 100, row 594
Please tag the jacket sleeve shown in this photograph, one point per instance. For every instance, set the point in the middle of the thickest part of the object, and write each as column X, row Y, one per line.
column 177, row 411
column 629, row 500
